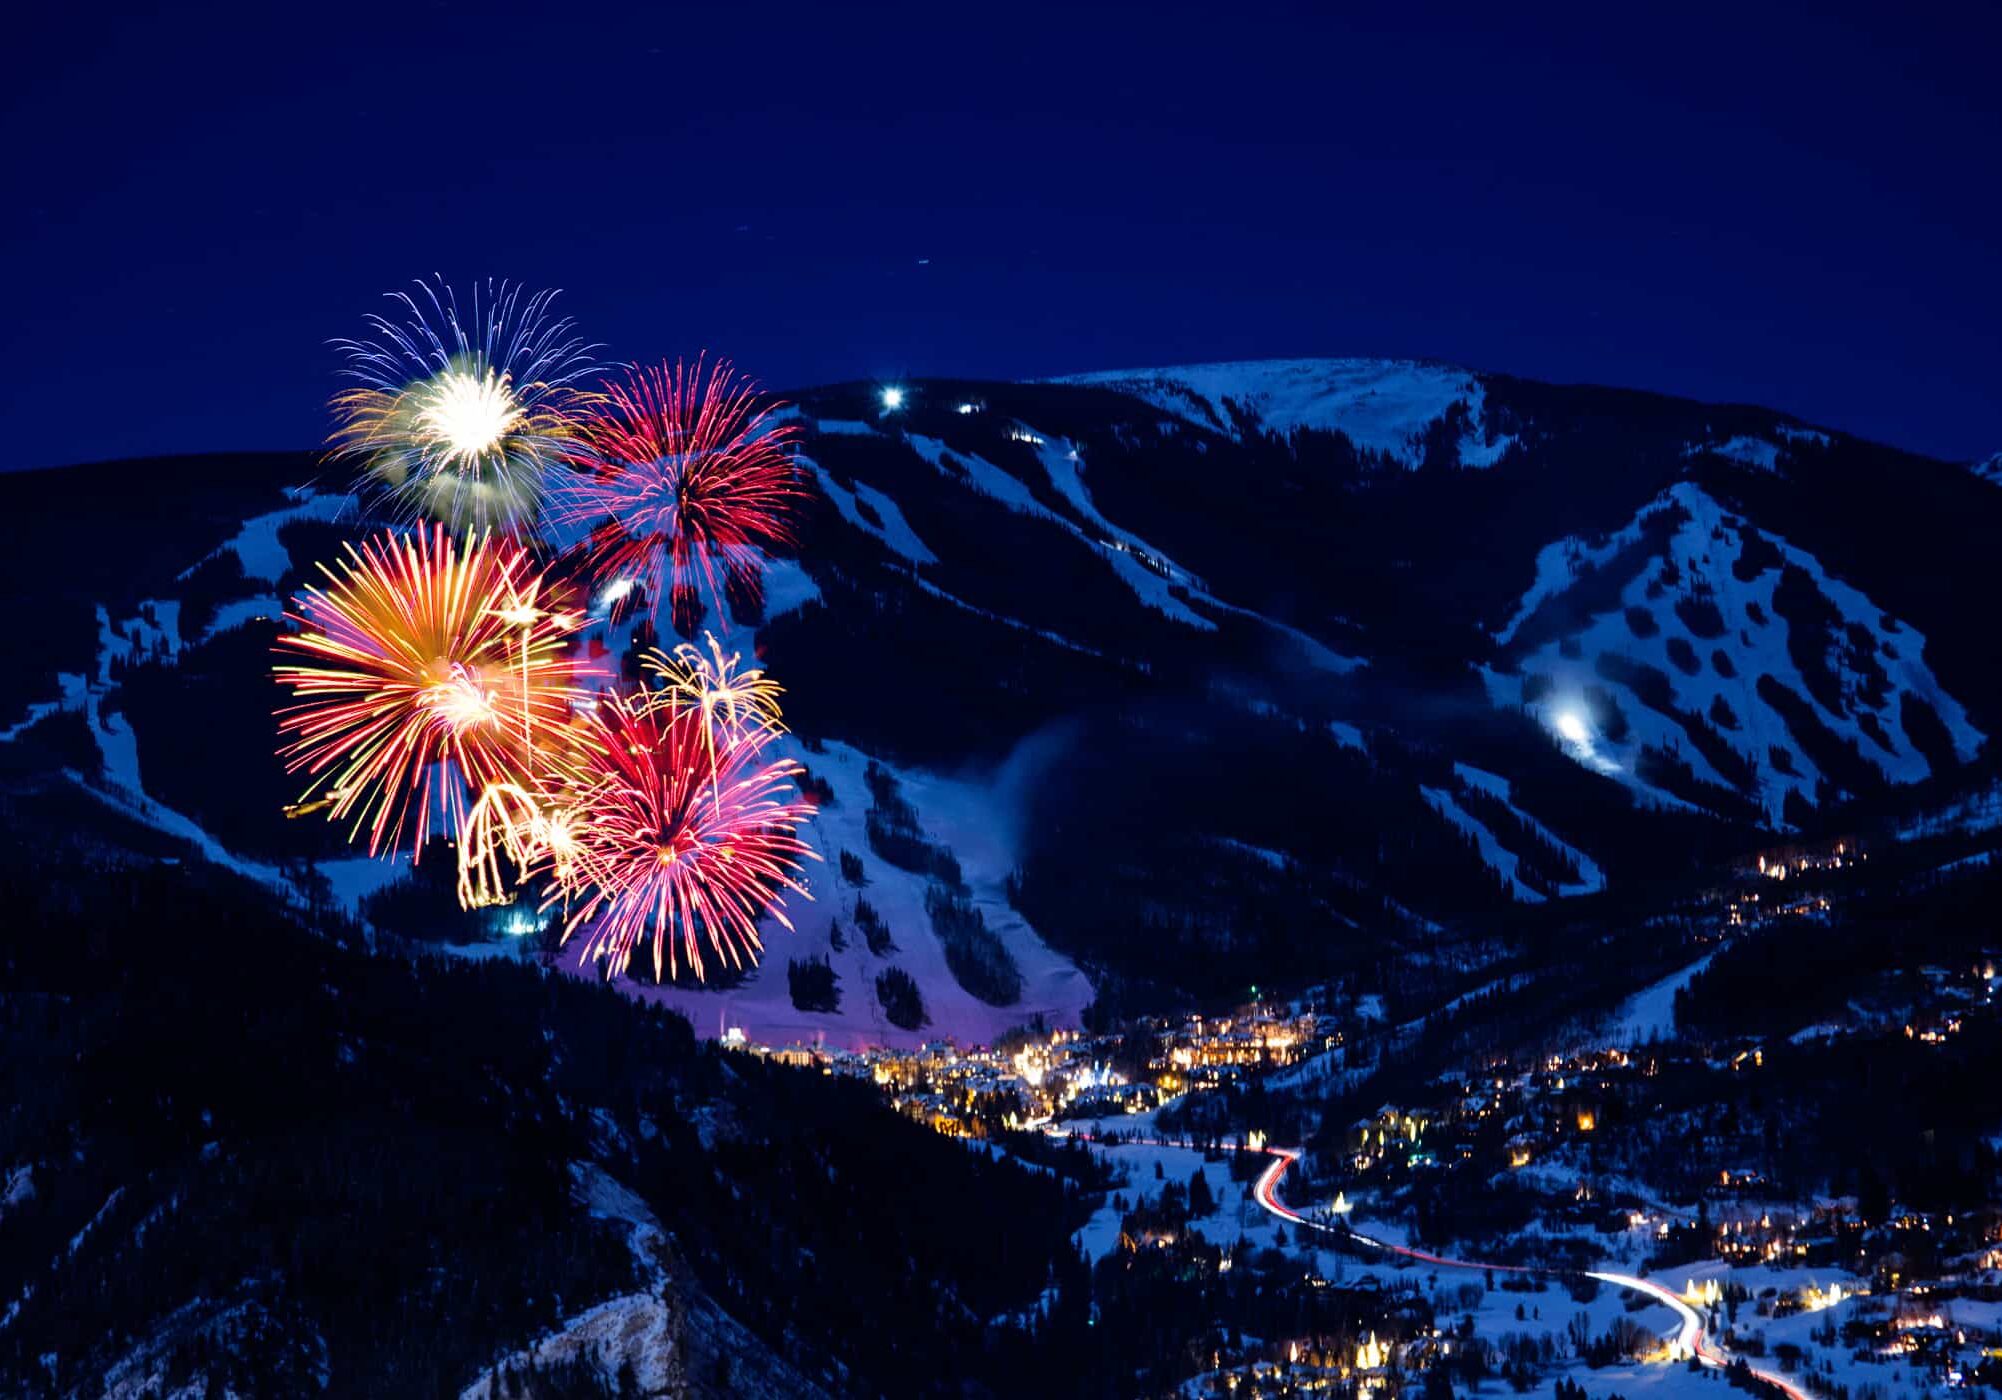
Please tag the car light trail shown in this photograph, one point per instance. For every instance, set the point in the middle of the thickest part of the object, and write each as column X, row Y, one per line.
column 1689, row 1338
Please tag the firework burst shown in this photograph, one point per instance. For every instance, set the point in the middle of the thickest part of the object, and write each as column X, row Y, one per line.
column 683, row 480
column 424, row 669
column 462, row 418
column 730, row 695
column 671, row 846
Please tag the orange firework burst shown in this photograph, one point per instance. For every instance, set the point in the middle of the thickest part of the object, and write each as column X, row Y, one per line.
column 684, row 479
column 682, row 832
column 424, row 670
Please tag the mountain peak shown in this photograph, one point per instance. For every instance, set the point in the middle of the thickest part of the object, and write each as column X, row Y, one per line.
column 1385, row 406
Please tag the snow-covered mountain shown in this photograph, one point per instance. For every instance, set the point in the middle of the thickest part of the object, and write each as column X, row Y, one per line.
column 1689, row 651
column 1198, row 676
column 1133, row 689
column 1386, row 407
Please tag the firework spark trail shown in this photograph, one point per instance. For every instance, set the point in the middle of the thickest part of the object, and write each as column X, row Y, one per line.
column 729, row 697
column 525, row 826
column 405, row 683
column 683, row 479
column 464, row 419
column 529, row 821
column 672, row 846
column 720, row 686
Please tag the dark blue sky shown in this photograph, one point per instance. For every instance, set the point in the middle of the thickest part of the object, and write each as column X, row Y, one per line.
column 1742, row 202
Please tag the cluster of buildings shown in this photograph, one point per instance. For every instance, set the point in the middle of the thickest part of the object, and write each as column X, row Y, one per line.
column 1199, row 1053
column 968, row 1093
column 1518, row 1113
column 1035, row 1078
column 1793, row 862
column 1760, row 894
column 1362, row 1368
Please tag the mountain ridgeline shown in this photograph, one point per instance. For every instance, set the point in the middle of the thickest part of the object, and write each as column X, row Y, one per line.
column 1267, row 671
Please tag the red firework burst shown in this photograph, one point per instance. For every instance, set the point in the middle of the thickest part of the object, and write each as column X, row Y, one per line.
column 683, row 479
column 672, row 843
column 424, row 670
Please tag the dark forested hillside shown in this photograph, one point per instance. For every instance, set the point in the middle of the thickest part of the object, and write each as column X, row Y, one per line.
column 237, row 1148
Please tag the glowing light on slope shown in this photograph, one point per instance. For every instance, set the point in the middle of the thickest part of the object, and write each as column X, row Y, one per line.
column 1572, row 728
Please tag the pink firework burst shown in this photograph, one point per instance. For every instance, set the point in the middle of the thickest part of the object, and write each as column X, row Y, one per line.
column 684, row 481
column 675, row 846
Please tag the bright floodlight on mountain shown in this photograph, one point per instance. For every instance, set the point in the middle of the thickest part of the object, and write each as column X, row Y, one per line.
column 893, row 399
column 1572, row 727
column 461, row 411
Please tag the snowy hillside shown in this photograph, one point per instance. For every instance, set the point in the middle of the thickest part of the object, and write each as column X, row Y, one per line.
column 1534, row 861
column 967, row 818
column 1383, row 406
column 1692, row 642
column 1174, row 583
column 1767, row 451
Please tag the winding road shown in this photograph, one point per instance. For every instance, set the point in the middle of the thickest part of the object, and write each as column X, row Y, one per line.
column 1689, row 1340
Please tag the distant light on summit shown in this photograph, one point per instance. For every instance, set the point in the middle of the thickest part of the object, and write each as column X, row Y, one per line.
column 893, row 399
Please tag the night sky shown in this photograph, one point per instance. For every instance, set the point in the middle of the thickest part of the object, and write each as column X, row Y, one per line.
column 1738, row 203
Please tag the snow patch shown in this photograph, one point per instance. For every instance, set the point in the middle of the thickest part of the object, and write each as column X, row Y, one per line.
column 892, row 529
column 1970, row 815
column 1746, row 451
column 71, row 694
column 1347, row 735
column 354, row 878
column 1591, row 879
column 1494, row 855
column 1383, row 406
column 788, row 588
column 1649, row 1015
column 256, row 544
column 265, row 607
column 20, row 1188
column 1154, row 589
